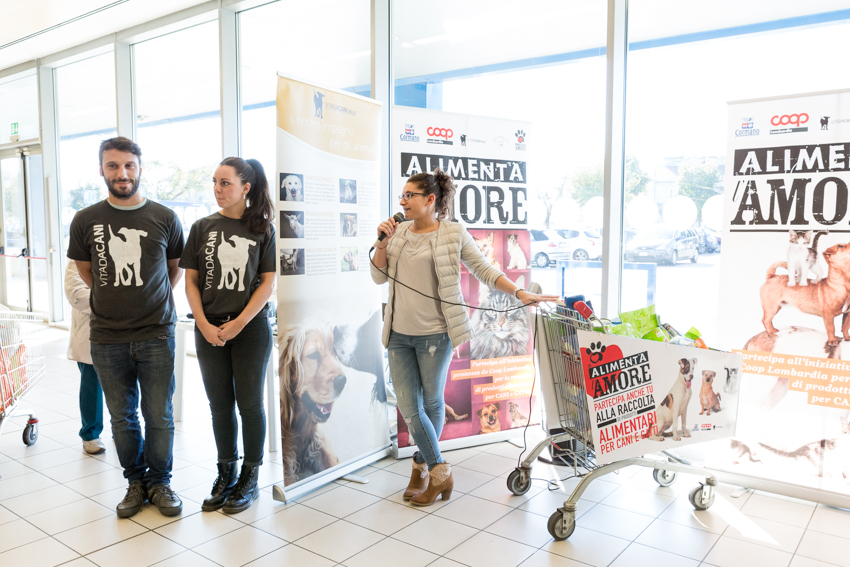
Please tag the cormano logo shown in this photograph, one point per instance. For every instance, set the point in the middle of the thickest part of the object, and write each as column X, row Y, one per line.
column 747, row 128
column 789, row 120
column 440, row 135
column 409, row 134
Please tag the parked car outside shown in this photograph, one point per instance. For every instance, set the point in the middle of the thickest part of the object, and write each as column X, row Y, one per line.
column 548, row 246
column 702, row 247
column 662, row 243
column 712, row 240
column 586, row 243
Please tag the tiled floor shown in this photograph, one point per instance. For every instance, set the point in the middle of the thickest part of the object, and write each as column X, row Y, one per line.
column 57, row 508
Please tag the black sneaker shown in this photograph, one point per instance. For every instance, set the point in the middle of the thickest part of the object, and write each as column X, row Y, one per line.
column 133, row 500
column 165, row 500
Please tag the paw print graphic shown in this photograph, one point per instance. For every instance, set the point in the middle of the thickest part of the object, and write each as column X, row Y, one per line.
column 520, row 136
column 595, row 352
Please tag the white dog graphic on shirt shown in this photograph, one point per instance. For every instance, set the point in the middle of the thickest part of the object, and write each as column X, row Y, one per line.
column 233, row 258
column 126, row 252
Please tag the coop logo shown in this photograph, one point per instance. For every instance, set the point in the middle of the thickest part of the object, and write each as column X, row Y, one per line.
column 793, row 122
column 409, row 134
column 440, row 135
column 520, row 140
column 747, row 128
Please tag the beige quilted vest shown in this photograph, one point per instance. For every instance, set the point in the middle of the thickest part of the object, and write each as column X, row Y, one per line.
column 452, row 246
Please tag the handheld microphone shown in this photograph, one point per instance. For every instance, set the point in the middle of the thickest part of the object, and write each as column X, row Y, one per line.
column 398, row 217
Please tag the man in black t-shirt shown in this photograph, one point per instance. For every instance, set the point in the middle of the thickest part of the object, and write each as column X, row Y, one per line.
column 127, row 249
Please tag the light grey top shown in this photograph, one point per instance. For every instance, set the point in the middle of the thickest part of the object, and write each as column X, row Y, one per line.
column 451, row 246
column 422, row 316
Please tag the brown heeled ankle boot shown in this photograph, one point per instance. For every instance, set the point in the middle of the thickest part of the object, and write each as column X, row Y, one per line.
column 441, row 483
column 418, row 480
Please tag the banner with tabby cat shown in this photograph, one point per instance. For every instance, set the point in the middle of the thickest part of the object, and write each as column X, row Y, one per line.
column 489, row 387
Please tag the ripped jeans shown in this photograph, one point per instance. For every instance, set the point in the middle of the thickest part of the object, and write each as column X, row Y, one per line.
column 418, row 367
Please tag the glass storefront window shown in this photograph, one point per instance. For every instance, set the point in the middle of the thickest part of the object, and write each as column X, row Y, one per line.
column 465, row 58
column 676, row 116
column 178, row 123
column 85, row 94
column 19, row 107
column 342, row 59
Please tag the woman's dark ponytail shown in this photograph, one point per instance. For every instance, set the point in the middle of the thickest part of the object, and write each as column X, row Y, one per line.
column 259, row 214
column 442, row 186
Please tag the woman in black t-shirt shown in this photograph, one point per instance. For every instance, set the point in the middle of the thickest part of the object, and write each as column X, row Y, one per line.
column 230, row 272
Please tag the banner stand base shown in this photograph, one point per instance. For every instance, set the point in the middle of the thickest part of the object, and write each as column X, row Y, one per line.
column 783, row 489
column 463, row 442
column 282, row 493
column 355, row 478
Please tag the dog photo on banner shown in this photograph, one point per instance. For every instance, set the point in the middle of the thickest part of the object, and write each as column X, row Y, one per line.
column 785, row 283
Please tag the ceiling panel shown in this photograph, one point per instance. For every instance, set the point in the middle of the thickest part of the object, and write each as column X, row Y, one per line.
column 25, row 17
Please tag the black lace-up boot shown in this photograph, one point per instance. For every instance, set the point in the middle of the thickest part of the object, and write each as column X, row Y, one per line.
column 245, row 491
column 222, row 487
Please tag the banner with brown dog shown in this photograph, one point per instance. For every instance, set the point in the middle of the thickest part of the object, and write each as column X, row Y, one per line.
column 785, row 289
column 644, row 396
column 332, row 389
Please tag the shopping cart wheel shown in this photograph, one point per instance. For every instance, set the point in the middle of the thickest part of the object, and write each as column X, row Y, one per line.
column 31, row 433
column 556, row 524
column 698, row 501
column 519, row 483
column 664, row 478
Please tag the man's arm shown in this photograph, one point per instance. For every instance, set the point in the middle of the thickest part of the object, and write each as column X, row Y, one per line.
column 84, row 268
column 174, row 271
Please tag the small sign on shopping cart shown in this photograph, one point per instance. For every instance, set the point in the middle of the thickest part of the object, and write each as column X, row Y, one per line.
column 645, row 396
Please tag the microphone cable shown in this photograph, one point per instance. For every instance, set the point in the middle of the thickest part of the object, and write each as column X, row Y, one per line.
column 522, row 305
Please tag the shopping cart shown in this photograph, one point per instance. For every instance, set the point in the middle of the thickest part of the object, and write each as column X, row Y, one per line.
column 575, row 444
column 21, row 366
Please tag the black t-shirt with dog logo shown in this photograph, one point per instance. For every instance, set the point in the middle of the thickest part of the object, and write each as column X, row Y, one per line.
column 229, row 259
column 131, row 298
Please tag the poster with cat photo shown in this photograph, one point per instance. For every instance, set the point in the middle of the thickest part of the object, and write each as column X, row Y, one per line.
column 489, row 383
column 489, row 386
column 785, row 291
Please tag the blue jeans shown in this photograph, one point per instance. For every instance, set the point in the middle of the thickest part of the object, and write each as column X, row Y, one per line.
column 418, row 367
column 234, row 375
column 91, row 403
column 125, row 369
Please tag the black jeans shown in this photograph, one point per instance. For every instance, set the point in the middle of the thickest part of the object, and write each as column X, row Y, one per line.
column 234, row 375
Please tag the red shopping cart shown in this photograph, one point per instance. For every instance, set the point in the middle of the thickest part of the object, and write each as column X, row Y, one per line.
column 21, row 366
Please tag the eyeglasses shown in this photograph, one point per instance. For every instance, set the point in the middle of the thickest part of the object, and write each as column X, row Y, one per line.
column 407, row 195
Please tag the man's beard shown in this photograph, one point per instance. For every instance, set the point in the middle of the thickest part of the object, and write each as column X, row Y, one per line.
column 118, row 194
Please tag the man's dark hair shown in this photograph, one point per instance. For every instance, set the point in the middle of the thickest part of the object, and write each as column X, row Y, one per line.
column 121, row 144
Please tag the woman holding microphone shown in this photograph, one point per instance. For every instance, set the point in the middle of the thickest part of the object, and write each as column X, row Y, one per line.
column 229, row 260
column 421, row 332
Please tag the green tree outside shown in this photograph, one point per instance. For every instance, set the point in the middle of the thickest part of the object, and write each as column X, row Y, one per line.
column 697, row 181
column 589, row 182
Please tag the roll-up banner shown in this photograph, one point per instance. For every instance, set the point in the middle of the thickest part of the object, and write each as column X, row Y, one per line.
column 332, row 389
column 785, row 289
column 489, row 386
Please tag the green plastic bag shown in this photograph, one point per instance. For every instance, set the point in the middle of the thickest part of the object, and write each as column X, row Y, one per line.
column 642, row 320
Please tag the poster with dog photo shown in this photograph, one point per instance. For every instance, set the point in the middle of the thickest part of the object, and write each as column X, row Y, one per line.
column 490, row 379
column 332, row 389
column 646, row 396
column 785, row 289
